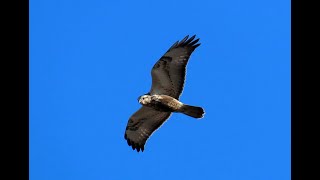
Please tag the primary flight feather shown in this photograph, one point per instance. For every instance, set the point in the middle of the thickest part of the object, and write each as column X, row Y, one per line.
column 168, row 78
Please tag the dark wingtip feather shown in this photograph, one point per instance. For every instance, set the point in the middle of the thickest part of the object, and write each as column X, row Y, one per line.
column 135, row 146
column 194, row 42
column 129, row 143
column 196, row 45
column 185, row 42
column 190, row 39
column 174, row 45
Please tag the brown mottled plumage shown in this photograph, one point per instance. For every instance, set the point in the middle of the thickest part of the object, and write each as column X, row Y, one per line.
column 168, row 77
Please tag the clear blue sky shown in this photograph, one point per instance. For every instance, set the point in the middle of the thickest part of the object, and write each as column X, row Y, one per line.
column 90, row 60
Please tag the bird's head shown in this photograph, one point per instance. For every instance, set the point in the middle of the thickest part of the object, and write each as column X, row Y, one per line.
column 144, row 99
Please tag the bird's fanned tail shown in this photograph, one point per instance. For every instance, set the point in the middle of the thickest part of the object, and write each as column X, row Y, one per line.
column 193, row 111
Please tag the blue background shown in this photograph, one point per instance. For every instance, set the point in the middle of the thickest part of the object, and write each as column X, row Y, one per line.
column 90, row 60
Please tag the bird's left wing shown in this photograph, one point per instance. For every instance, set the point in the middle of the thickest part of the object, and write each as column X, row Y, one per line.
column 142, row 124
column 168, row 74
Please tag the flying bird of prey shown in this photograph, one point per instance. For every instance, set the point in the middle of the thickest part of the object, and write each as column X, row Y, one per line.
column 168, row 77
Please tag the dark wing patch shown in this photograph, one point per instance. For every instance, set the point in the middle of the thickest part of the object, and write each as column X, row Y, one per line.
column 168, row 74
column 142, row 124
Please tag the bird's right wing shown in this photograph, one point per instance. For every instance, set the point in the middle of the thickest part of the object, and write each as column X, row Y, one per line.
column 142, row 124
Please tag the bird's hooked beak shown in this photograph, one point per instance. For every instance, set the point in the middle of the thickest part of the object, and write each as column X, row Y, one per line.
column 139, row 99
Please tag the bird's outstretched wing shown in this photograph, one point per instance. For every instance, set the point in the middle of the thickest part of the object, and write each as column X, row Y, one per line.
column 168, row 74
column 142, row 124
